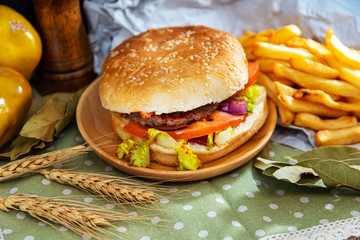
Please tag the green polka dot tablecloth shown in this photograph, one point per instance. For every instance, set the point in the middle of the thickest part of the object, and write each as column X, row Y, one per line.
column 241, row 204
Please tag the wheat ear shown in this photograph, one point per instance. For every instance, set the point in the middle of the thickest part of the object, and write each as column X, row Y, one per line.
column 107, row 187
column 84, row 219
column 29, row 164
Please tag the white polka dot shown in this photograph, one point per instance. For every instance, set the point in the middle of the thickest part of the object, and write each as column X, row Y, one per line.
column 250, row 194
column 236, row 224
column 155, row 220
column 13, row 190
column 329, row 206
column 257, row 182
column 267, row 219
column 50, row 148
column 133, row 213
column 63, row 228
column 109, row 206
column 211, row 214
column 324, row 221
column 145, row 238
column 178, row 225
column 108, row 168
column 196, row 194
column 21, row 215
column 242, row 208
column 271, row 153
column 334, row 192
column 298, row 215
column 205, row 181
column 291, row 161
column 67, row 191
column 88, row 163
column 234, row 175
column 187, row 207
column 173, row 190
column 292, row 229
column 79, row 139
column 45, row 181
column 58, row 165
column 41, row 223
column 260, row 233
column 164, row 200
column 88, row 199
column 304, row 199
column 357, row 199
column 7, row 231
column 122, row 229
column 355, row 213
column 273, row 206
column 226, row 187
column 86, row 237
column 228, row 238
column 203, row 233
column 29, row 238
column 280, row 192
column 219, row 200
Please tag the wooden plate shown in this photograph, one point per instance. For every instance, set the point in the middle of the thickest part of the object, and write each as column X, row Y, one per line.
column 95, row 127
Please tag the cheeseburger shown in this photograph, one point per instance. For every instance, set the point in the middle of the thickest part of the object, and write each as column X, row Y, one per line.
column 181, row 96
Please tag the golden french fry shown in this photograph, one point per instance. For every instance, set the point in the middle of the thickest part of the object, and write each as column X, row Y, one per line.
column 251, row 39
column 354, row 101
column 248, row 32
column 284, row 89
column 342, row 136
column 319, row 96
column 286, row 116
column 282, row 80
column 343, row 53
column 333, row 62
column 268, row 50
column 335, row 87
column 316, row 48
column 297, row 105
column 312, row 67
column 249, row 55
column 351, row 76
column 267, row 64
column 285, row 33
column 296, row 42
column 316, row 123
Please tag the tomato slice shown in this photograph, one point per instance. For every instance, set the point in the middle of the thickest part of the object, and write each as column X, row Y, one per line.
column 217, row 121
column 253, row 71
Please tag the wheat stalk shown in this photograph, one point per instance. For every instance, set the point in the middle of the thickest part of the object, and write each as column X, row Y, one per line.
column 29, row 164
column 84, row 219
column 108, row 187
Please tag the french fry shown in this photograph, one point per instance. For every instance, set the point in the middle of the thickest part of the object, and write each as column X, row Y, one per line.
column 268, row 50
column 343, row 53
column 248, row 32
column 284, row 89
column 316, row 48
column 296, row 42
column 351, row 76
column 249, row 55
column 342, row 136
column 267, row 64
column 312, row 67
column 333, row 62
column 335, row 87
column 297, row 105
column 354, row 101
column 286, row 116
column 250, row 39
column 282, row 80
column 316, row 123
column 319, row 96
column 285, row 33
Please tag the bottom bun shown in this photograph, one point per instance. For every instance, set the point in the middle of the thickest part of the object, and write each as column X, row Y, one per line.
column 242, row 133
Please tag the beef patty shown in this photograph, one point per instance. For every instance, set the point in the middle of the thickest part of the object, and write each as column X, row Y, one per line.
column 172, row 121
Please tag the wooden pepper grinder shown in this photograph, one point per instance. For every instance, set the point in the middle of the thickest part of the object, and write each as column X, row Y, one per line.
column 67, row 60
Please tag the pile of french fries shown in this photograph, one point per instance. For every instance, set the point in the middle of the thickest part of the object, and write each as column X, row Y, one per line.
column 313, row 85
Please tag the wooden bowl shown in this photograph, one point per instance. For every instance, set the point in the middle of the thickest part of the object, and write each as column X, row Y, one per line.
column 95, row 127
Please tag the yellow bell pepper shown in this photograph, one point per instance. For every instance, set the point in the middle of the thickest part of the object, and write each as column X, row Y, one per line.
column 15, row 101
column 20, row 47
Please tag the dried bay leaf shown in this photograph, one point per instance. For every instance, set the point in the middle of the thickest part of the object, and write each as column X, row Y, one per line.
column 292, row 173
column 46, row 119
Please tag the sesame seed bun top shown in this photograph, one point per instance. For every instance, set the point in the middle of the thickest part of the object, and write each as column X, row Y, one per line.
column 172, row 69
